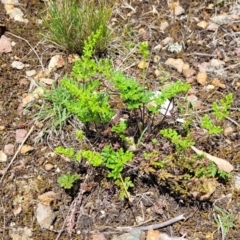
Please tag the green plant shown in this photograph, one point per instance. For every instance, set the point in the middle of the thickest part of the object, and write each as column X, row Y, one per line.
column 119, row 129
column 208, row 124
column 53, row 112
column 224, row 219
column 133, row 95
column 115, row 161
column 67, row 152
column 180, row 142
column 67, row 180
column 89, row 104
column 143, row 49
column 166, row 94
column 221, row 111
column 70, row 22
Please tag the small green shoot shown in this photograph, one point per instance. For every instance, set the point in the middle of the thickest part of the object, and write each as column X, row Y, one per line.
column 224, row 219
column 67, row 180
column 67, row 152
column 208, row 124
column 119, row 129
column 221, row 111
column 180, row 142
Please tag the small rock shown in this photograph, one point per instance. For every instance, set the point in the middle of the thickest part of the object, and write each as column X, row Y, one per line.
column 56, row 62
column 175, row 63
column 212, row 26
column 202, row 78
column 164, row 25
column 20, row 233
column 167, row 40
column 216, row 63
column 5, row 45
column 3, row 157
column 45, row 215
column 17, row 65
column 26, row 149
column 48, row 167
column 210, row 87
column 20, row 135
column 157, row 73
column 175, row 47
column 9, row 149
column 135, row 234
column 2, row 128
column 31, row 73
column 188, row 72
column 237, row 181
column 202, row 24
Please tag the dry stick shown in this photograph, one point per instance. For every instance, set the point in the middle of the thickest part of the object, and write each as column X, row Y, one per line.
column 153, row 226
column 74, row 202
column 16, row 153
column 40, row 61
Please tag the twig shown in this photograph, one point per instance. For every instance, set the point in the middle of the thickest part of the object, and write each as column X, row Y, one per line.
column 153, row 226
column 16, row 153
column 203, row 54
column 72, row 208
column 40, row 61
column 233, row 121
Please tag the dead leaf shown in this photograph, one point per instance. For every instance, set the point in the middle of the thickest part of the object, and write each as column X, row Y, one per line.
column 164, row 236
column 31, row 73
column 175, row 63
column 216, row 82
column 98, row 236
column 202, row 78
column 153, row 235
column 47, row 197
column 26, row 149
column 189, row 72
column 143, row 64
column 222, row 164
column 5, row 45
column 47, row 81
column 164, row 25
column 29, row 98
column 216, row 63
column 202, row 24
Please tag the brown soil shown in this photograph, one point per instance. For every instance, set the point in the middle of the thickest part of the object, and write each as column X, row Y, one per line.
column 101, row 210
